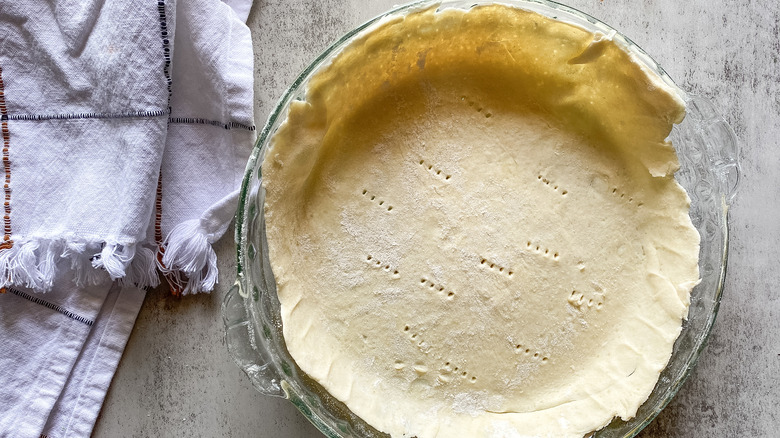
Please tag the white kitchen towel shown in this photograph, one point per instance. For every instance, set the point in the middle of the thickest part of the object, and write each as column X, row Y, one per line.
column 99, row 99
column 42, row 337
column 210, row 135
column 60, row 353
column 79, row 403
column 126, row 126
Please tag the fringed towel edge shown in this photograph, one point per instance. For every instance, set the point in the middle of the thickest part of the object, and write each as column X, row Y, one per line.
column 34, row 262
column 187, row 259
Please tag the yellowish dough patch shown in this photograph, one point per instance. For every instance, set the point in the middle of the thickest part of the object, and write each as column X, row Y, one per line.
column 475, row 230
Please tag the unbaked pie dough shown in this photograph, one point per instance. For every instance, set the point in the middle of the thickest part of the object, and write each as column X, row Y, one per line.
column 475, row 230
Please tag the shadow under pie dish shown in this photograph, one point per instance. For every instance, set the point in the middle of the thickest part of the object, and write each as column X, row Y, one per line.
column 468, row 225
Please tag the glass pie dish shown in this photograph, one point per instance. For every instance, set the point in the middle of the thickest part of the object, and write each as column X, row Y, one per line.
column 707, row 151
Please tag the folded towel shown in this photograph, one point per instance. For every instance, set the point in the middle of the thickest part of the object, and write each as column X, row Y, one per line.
column 126, row 126
column 99, row 98
column 60, row 353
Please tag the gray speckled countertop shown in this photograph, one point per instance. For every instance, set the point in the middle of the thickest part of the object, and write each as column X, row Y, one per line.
column 176, row 379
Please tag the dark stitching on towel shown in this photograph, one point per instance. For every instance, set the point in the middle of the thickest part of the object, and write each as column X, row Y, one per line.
column 197, row 121
column 72, row 116
column 166, row 48
column 158, row 202
column 173, row 278
column 7, row 242
column 51, row 306
column 158, row 211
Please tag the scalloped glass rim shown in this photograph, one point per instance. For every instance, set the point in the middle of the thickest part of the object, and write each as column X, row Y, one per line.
column 331, row 417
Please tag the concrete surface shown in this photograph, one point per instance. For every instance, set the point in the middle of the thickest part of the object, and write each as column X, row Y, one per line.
column 176, row 379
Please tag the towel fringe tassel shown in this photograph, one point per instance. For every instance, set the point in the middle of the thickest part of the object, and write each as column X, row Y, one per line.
column 187, row 259
column 19, row 266
column 143, row 269
column 114, row 259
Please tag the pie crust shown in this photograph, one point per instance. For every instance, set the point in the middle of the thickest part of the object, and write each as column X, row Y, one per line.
column 474, row 227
